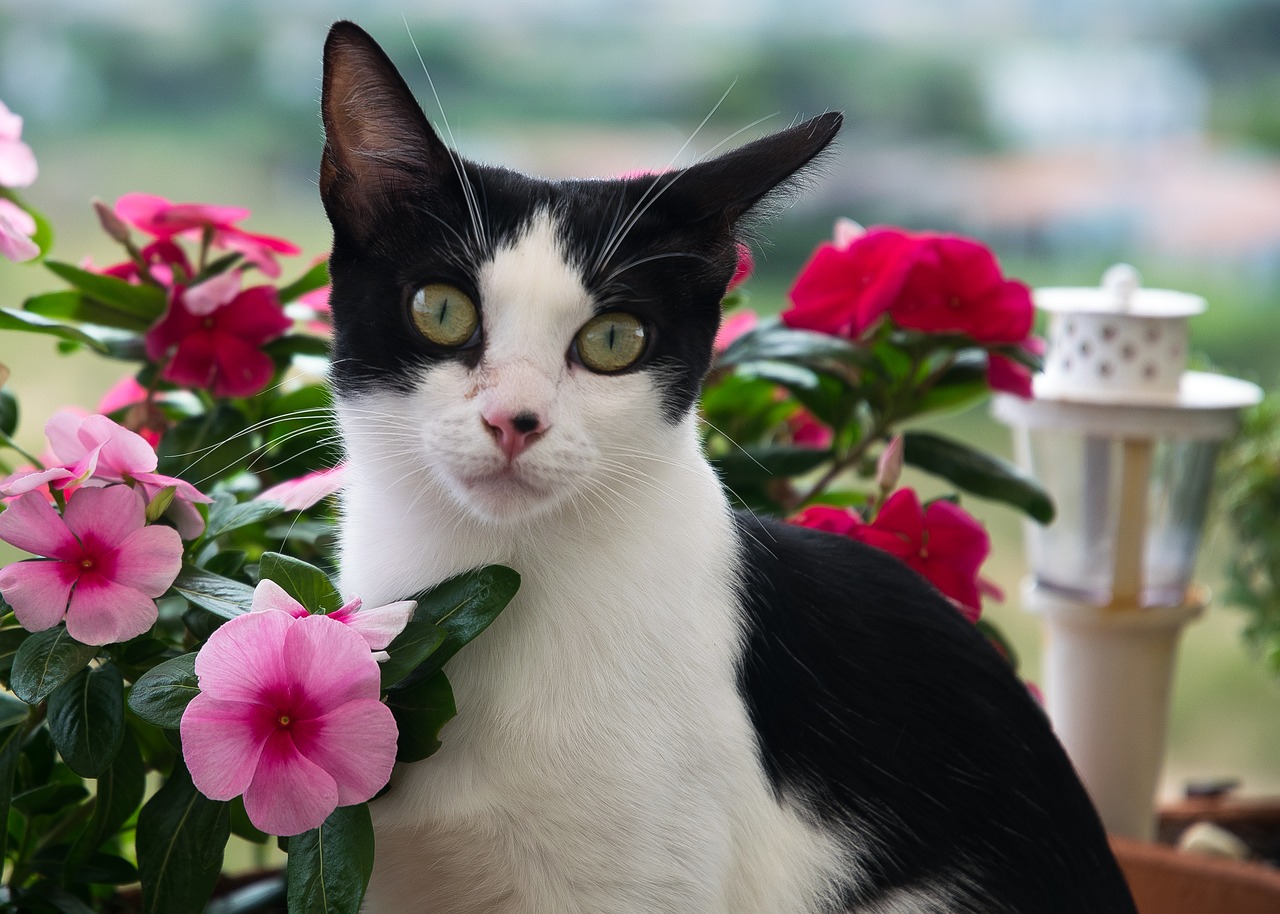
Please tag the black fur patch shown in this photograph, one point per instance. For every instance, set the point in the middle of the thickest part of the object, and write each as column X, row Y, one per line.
column 879, row 706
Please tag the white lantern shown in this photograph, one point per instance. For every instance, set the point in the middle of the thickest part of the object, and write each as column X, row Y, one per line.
column 1125, row 441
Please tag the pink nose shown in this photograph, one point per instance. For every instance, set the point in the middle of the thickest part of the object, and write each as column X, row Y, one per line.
column 513, row 432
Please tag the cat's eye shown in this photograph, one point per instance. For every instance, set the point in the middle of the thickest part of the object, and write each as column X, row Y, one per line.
column 445, row 315
column 610, row 342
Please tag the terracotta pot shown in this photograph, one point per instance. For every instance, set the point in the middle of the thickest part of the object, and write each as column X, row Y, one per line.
column 1165, row 880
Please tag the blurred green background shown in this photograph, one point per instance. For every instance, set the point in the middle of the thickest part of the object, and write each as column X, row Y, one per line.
column 1068, row 134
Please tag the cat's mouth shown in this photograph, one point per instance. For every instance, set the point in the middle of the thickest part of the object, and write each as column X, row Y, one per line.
column 506, row 479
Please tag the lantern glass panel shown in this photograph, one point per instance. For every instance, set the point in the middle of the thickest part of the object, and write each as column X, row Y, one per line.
column 1075, row 555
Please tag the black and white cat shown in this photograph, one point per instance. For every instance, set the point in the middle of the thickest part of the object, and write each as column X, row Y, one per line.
column 683, row 709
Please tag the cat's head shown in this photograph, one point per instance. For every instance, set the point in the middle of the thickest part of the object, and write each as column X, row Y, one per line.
column 517, row 340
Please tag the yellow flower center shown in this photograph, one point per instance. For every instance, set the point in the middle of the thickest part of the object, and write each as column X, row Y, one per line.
column 283, row 720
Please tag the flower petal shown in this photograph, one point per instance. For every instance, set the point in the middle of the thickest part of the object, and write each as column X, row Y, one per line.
column 38, row 591
column 241, row 369
column 329, row 664
column 29, row 480
column 289, row 793
column 123, row 452
column 63, row 431
column 379, row 625
column 222, row 742
column 148, row 560
column 305, row 491
column 32, row 524
column 355, row 743
column 269, row 595
column 104, row 517
column 104, row 612
column 243, row 660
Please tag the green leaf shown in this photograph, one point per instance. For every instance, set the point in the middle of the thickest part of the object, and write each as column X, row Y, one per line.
column 102, row 339
column 10, row 640
column 45, row 661
column 283, row 350
column 300, row 438
column 8, row 413
column 160, row 503
column 181, row 839
column 412, row 646
column 142, row 302
column 315, row 278
column 756, row 463
column 305, row 583
column 329, row 867
column 10, row 750
column 86, row 719
column 420, row 712
column 787, row 374
column 227, row 514
column 119, row 791
column 221, row 596
column 105, row 869
column 70, row 305
column 463, row 606
column 778, row 342
column 162, row 693
column 48, row 798
column 977, row 472
column 46, row 896
column 214, row 445
column 12, row 711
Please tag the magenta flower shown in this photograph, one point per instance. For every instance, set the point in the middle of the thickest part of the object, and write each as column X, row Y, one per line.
column 164, row 220
column 211, row 336
column 942, row 542
column 103, row 566
column 378, row 625
column 746, row 266
column 94, row 451
column 16, row 228
column 164, row 261
column 305, row 491
column 288, row 715
column 734, row 326
column 17, row 161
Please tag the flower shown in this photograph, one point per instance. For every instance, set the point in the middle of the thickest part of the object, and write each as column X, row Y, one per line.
column 746, row 264
column 103, row 569
column 93, row 450
column 16, row 228
column 807, row 431
column 164, row 220
column 165, row 262
column 378, row 626
column 942, row 542
column 211, row 334
column 305, row 491
column 734, row 326
column 288, row 715
column 17, row 162
column 1011, row 376
column 928, row 282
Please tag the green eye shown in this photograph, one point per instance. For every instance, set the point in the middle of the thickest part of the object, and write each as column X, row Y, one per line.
column 611, row 342
column 444, row 315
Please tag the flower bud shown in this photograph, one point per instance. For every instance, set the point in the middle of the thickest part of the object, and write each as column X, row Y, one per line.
column 889, row 466
column 112, row 224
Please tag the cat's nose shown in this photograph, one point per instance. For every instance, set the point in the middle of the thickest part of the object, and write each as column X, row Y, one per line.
column 513, row 432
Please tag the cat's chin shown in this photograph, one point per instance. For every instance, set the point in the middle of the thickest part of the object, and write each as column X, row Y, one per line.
column 502, row 497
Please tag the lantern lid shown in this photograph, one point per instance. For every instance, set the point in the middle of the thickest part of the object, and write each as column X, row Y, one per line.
column 1120, row 293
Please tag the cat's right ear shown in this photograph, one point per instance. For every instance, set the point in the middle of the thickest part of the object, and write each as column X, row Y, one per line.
column 378, row 143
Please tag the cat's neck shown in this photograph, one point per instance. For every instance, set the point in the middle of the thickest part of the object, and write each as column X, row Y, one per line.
column 401, row 534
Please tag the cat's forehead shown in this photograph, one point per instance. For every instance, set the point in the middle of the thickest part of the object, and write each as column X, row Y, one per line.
column 532, row 286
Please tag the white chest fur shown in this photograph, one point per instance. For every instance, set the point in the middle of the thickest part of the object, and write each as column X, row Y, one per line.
column 601, row 760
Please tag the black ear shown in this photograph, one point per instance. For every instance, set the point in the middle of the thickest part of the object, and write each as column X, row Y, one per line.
column 378, row 143
column 733, row 183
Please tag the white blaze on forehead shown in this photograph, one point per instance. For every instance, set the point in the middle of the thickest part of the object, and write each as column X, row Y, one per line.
column 532, row 298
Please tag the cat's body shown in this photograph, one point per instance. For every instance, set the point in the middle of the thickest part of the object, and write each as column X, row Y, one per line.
column 682, row 710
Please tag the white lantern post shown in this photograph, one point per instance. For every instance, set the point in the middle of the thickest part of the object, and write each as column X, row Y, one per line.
column 1125, row 440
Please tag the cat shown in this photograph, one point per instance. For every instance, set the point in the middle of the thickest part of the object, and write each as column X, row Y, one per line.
column 684, row 709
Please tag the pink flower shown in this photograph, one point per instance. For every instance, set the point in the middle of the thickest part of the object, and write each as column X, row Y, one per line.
column 288, row 715
column 16, row 228
column 734, row 326
column 378, row 626
column 164, row 220
column 94, row 451
column 746, row 264
column 807, row 431
column 928, row 282
column 211, row 334
column 305, row 491
column 104, row 566
column 166, row 263
column 943, row 542
column 17, row 161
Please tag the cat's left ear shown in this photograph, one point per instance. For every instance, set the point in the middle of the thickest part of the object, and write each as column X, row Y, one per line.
column 737, row 181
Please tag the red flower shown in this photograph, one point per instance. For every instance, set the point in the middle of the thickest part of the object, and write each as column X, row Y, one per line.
column 807, row 431
column 1010, row 376
column 942, row 542
column 166, row 263
column 746, row 264
column 210, row 337
column 845, row 287
column 928, row 282
column 164, row 220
